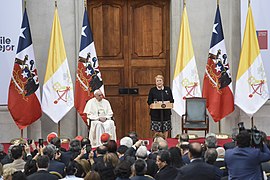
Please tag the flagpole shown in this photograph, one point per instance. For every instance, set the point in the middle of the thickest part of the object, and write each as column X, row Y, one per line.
column 85, row 4
column 24, row 4
column 184, row 3
column 217, row 2
column 252, row 122
column 219, row 127
column 21, row 133
column 55, row 3
column 248, row 3
column 58, row 129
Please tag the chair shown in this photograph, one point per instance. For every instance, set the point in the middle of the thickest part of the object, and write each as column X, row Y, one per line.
column 97, row 128
column 195, row 117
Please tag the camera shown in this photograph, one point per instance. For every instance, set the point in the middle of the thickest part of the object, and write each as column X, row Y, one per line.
column 22, row 145
column 256, row 136
column 29, row 141
column 145, row 142
column 88, row 148
column 40, row 142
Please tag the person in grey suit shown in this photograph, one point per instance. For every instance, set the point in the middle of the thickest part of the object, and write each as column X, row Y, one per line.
column 17, row 153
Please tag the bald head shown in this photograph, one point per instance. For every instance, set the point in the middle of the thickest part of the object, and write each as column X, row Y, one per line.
column 184, row 138
column 210, row 155
column 163, row 145
column 195, row 150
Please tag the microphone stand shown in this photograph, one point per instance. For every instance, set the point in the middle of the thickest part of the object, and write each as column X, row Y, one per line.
column 162, row 111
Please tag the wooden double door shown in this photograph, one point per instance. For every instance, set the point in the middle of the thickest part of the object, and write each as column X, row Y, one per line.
column 132, row 40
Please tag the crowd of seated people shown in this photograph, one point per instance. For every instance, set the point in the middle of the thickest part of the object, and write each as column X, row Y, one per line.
column 132, row 160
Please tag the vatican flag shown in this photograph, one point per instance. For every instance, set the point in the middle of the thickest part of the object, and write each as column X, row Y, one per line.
column 186, row 80
column 251, row 91
column 57, row 97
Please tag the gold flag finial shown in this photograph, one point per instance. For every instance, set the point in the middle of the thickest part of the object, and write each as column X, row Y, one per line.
column 248, row 3
column 184, row 3
column 217, row 2
column 55, row 3
column 25, row 4
column 85, row 3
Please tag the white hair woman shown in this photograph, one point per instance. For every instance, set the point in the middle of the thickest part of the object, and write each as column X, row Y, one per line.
column 160, row 118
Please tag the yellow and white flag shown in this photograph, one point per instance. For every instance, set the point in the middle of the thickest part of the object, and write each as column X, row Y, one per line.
column 186, row 80
column 251, row 90
column 57, row 97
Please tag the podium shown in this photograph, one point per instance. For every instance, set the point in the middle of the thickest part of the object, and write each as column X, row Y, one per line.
column 161, row 105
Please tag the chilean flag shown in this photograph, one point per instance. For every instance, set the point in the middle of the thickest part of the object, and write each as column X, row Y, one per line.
column 24, row 92
column 88, row 78
column 217, row 83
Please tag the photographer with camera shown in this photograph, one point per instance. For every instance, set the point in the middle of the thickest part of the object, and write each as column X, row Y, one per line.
column 55, row 166
column 244, row 161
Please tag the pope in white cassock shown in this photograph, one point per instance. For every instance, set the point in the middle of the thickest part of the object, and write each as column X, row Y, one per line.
column 99, row 114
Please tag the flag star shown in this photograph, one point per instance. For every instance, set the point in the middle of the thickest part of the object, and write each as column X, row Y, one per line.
column 88, row 71
column 214, row 28
column 21, row 33
column 83, row 29
column 25, row 74
column 218, row 68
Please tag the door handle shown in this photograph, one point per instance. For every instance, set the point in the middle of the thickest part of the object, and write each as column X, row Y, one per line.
column 133, row 90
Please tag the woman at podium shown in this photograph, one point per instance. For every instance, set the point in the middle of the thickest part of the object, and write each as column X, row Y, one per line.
column 160, row 100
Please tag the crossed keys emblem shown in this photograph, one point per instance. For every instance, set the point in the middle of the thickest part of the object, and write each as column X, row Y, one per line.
column 190, row 88
column 257, row 86
column 62, row 93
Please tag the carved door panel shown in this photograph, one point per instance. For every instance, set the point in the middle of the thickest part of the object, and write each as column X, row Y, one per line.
column 132, row 41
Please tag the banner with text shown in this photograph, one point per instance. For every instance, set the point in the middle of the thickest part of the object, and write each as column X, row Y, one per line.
column 10, row 22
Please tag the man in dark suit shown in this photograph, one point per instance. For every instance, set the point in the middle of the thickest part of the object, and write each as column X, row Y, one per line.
column 232, row 144
column 72, row 153
column 42, row 173
column 166, row 171
column 244, row 161
column 197, row 168
column 210, row 157
column 105, row 170
column 140, row 168
column 184, row 145
column 100, row 151
column 220, row 162
column 152, row 167
column 57, row 142
column 55, row 165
